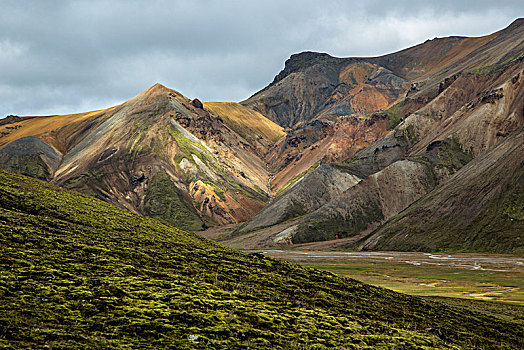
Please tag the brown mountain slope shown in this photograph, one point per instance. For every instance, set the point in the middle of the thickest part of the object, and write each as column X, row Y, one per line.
column 479, row 208
column 470, row 115
column 61, row 131
column 247, row 122
column 314, row 84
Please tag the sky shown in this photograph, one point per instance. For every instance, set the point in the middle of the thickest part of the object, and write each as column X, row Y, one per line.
column 59, row 57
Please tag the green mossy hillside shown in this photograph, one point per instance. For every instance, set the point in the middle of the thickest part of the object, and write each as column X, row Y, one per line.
column 78, row 273
column 165, row 202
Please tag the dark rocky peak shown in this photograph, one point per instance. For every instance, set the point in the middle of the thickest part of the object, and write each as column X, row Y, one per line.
column 10, row 119
column 197, row 103
column 300, row 61
column 516, row 23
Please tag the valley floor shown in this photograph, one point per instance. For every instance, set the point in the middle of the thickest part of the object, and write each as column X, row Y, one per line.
column 493, row 277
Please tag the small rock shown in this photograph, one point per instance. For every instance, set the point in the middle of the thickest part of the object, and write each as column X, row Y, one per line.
column 137, row 179
column 193, row 338
column 197, row 104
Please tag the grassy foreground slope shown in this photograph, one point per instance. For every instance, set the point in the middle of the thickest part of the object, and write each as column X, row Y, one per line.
column 76, row 272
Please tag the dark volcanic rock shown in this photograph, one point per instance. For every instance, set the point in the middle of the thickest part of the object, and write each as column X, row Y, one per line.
column 10, row 119
column 30, row 156
column 196, row 103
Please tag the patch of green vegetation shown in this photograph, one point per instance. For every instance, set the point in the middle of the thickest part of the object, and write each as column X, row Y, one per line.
column 337, row 226
column 78, row 273
column 135, row 141
column 86, row 182
column 293, row 211
column 394, row 115
column 410, row 135
column 498, row 67
column 160, row 143
column 446, row 154
column 513, row 205
column 30, row 165
column 187, row 147
column 165, row 202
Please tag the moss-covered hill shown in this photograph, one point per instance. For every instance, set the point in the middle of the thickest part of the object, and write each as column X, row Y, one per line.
column 76, row 272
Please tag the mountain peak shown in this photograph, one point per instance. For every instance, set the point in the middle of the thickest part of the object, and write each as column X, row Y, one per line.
column 515, row 25
column 300, row 61
column 153, row 91
column 157, row 87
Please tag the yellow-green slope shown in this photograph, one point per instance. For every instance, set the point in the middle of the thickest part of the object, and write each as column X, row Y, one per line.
column 245, row 121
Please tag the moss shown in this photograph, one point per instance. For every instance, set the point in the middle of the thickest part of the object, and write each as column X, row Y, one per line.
column 446, row 154
column 30, row 165
column 165, row 202
column 186, row 146
column 410, row 135
column 498, row 67
column 394, row 115
column 78, row 273
column 135, row 141
column 337, row 226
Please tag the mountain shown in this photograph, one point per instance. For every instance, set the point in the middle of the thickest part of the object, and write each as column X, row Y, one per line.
column 333, row 149
column 79, row 273
column 314, row 85
column 158, row 154
column 480, row 207
column 451, row 120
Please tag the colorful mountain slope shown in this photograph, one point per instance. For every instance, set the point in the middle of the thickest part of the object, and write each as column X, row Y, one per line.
column 387, row 129
column 473, row 111
column 157, row 143
column 245, row 121
column 78, row 273
column 480, row 208
column 316, row 84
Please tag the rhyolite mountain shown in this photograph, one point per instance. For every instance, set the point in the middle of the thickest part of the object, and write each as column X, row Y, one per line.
column 464, row 99
column 158, row 154
column 346, row 148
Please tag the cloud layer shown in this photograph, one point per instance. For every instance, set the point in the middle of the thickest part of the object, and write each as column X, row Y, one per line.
column 63, row 57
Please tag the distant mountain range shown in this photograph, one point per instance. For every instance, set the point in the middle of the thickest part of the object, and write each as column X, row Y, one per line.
column 416, row 150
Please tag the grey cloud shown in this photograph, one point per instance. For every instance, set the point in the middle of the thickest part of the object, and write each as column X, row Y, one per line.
column 59, row 57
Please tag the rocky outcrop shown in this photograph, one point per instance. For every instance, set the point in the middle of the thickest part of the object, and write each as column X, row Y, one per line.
column 197, row 104
column 315, row 84
column 10, row 119
column 30, row 156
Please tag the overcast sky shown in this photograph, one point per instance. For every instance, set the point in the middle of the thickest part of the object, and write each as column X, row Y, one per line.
column 61, row 57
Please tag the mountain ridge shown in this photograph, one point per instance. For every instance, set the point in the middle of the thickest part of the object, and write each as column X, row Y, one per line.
column 326, row 128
